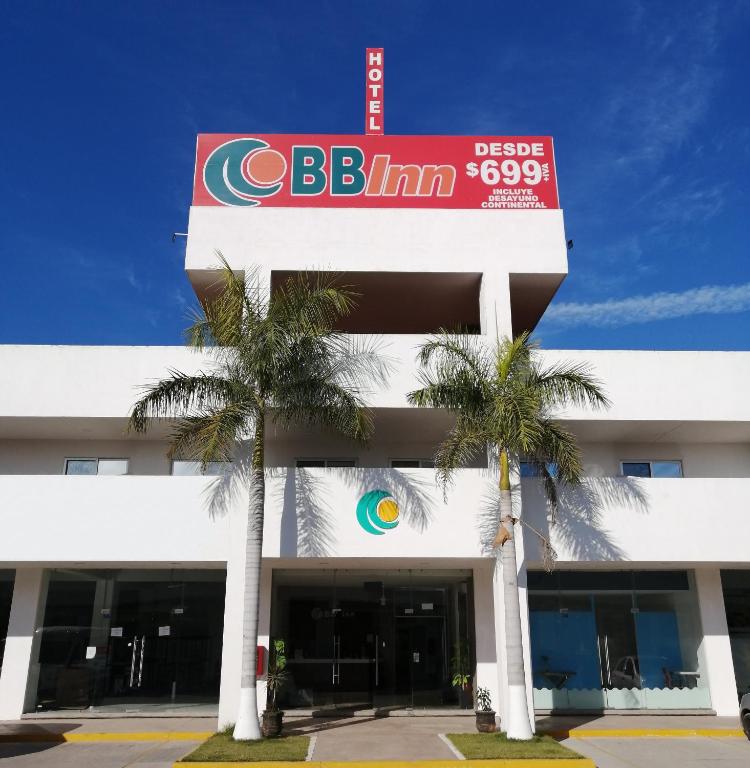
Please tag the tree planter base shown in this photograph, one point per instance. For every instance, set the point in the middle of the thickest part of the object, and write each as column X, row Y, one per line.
column 272, row 723
column 486, row 722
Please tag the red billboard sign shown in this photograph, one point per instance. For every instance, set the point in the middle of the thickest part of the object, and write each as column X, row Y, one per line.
column 327, row 171
column 374, row 92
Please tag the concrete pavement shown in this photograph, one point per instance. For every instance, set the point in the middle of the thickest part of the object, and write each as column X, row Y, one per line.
column 157, row 743
column 107, row 755
column 650, row 752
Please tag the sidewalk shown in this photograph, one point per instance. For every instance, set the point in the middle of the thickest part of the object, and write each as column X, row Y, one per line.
column 108, row 729
column 564, row 726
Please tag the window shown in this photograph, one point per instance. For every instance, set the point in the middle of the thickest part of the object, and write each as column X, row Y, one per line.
column 652, row 468
column 327, row 463
column 412, row 463
column 96, row 466
column 183, row 468
column 531, row 469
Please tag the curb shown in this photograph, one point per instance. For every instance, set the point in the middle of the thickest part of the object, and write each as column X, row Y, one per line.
column 547, row 762
column 93, row 738
column 639, row 733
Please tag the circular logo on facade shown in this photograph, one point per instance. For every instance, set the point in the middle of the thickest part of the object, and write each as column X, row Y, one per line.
column 377, row 512
column 240, row 171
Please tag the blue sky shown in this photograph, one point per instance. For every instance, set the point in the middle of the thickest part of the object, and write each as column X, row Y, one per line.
column 647, row 103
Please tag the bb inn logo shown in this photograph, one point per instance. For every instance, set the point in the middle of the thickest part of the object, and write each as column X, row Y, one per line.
column 242, row 172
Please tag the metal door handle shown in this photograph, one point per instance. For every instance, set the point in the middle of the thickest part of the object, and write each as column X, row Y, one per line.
column 377, row 659
column 132, row 660
column 143, row 653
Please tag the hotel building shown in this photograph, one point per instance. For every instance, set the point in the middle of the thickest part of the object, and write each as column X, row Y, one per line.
column 121, row 572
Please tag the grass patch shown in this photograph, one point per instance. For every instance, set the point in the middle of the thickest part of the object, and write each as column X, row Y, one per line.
column 221, row 747
column 489, row 746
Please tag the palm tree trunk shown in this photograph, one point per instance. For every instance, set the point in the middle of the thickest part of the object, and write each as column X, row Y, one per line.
column 248, row 725
column 518, row 725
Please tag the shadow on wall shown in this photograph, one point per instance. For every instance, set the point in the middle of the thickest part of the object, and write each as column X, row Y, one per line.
column 411, row 492
column 578, row 525
column 307, row 522
column 224, row 490
column 306, row 526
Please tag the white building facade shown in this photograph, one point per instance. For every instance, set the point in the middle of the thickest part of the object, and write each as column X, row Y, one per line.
column 121, row 572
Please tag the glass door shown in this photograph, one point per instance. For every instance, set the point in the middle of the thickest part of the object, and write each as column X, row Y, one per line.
column 143, row 658
column 130, row 640
column 618, row 651
column 357, row 640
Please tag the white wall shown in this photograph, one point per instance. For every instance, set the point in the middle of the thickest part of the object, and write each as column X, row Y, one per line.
column 311, row 513
column 104, row 382
column 644, row 521
column 391, row 240
column 116, row 520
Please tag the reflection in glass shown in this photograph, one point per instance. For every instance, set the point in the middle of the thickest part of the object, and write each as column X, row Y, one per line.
column 605, row 646
column 7, row 578
column 119, row 640
column 736, row 586
column 359, row 639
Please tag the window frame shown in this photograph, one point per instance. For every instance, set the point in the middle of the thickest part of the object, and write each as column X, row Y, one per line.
column 202, row 473
column 325, row 459
column 97, row 459
column 650, row 463
column 422, row 463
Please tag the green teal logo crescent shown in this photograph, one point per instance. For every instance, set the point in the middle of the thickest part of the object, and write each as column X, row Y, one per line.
column 240, row 171
column 377, row 512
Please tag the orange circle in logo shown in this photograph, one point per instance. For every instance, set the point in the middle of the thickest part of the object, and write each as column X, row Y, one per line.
column 266, row 166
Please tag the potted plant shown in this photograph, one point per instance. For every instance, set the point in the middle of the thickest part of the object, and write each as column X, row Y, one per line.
column 484, row 712
column 276, row 677
column 460, row 671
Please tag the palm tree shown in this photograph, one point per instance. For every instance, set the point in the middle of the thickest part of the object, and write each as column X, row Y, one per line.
column 274, row 357
column 504, row 402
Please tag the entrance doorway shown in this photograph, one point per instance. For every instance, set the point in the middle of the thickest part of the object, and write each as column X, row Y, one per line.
column 130, row 641
column 359, row 639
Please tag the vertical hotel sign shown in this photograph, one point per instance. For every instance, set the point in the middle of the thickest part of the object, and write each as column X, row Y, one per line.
column 374, row 114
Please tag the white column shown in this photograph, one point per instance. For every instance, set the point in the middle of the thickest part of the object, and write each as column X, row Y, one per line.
column 715, row 651
column 20, row 672
column 494, row 304
column 484, row 633
column 264, row 630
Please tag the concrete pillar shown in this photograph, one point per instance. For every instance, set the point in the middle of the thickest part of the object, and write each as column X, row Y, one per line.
column 715, row 652
column 484, row 633
column 20, row 668
column 231, row 652
column 494, row 305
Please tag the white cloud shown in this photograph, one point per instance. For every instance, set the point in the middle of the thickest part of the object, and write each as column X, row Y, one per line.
column 707, row 300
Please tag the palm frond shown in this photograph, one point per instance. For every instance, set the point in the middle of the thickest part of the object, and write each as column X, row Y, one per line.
column 453, row 352
column 463, row 443
column 323, row 403
column 211, row 436
column 308, row 302
column 177, row 395
column 566, row 383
